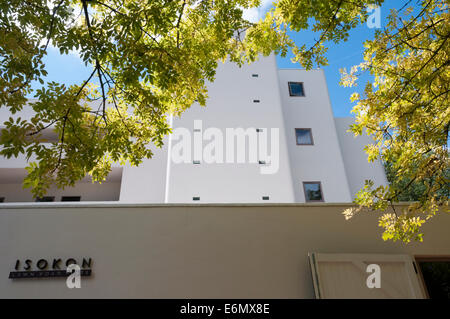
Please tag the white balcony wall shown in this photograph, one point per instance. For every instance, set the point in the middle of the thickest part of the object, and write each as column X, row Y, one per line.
column 11, row 188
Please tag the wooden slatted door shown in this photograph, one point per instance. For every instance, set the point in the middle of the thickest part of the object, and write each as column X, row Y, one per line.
column 346, row 276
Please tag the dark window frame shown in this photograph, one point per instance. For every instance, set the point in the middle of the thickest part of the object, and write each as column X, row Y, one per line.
column 321, row 192
column 310, row 133
column 65, row 198
column 290, row 91
column 45, row 201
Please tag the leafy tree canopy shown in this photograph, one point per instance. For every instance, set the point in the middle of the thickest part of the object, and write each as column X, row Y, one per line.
column 153, row 58
column 406, row 108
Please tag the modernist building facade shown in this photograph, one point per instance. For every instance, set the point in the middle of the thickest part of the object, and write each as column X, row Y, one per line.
column 269, row 225
column 279, row 143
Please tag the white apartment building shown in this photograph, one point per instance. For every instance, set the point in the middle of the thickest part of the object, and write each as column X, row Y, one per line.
column 256, row 234
column 279, row 143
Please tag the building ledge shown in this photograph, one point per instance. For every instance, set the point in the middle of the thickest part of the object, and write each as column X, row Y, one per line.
column 34, row 205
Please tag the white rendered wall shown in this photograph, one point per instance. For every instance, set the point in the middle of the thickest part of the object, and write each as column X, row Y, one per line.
column 322, row 161
column 230, row 105
column 207, row 251
column 357, row 166
column 146, row 183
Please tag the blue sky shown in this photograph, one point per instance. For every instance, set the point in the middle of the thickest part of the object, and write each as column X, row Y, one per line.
column 69, row 69
column 342, row 55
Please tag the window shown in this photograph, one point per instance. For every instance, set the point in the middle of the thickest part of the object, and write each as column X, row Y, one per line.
column 258, row 130
column 265, row 198
column 262, row 162
column 435, row 275
column 196, row 198
column 70, row 198
column 313, row 191
column 2, row 199
column 196, row 162
column 303, row 136
column 255, row 75
column 45, row 199
column 256, row 101
column 296, row 89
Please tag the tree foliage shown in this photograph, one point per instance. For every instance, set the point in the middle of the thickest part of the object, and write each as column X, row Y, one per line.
column 406, row 109
column 413, row 191
column 152, row 59
column 149, row 59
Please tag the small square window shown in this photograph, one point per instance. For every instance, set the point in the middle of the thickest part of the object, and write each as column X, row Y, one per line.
column 45, row 199
column 313, row 191
column 255, row 75
column 70, row 198
column 196, row 198
column 265, row 197
column 258, row 130
column 303, row 136
column 296, row 89
column 262, row 162
column 256, row 101
column 196, row 162
column 2, row 199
